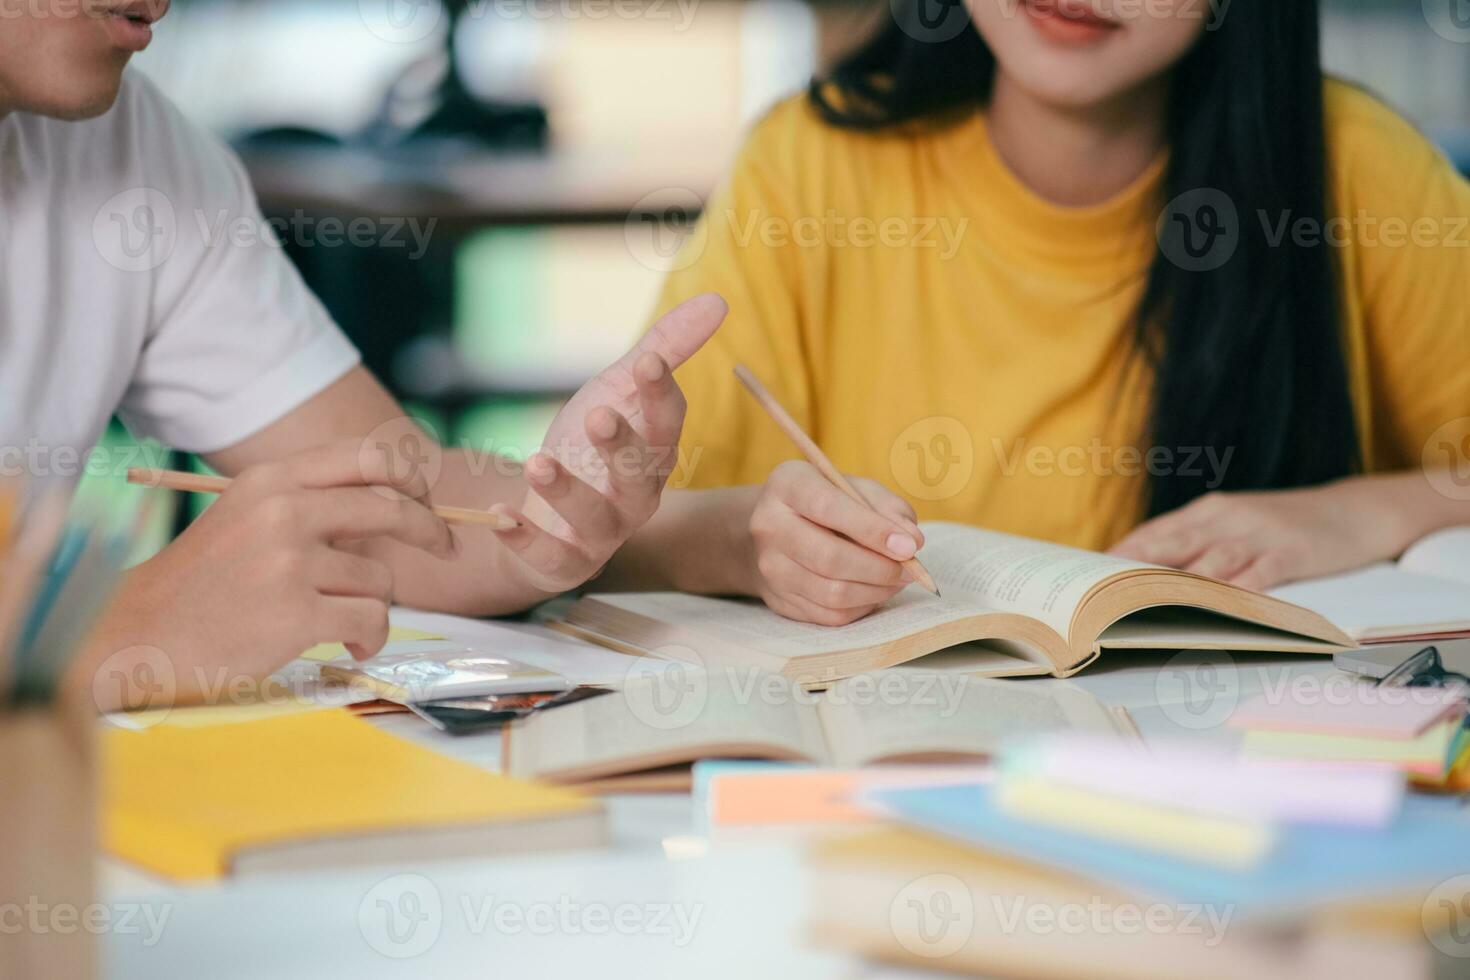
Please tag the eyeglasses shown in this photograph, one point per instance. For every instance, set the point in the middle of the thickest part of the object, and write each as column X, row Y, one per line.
column 1423, row 669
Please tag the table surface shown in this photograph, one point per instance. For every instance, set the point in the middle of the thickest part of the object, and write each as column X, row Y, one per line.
column 661, row 900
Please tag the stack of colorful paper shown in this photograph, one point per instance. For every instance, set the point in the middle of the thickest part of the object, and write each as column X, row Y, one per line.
column 1190, row 802
column 1420, row 731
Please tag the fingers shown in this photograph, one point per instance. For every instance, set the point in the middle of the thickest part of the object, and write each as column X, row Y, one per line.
column 354, row 513
column 590, row 514
column 832, row 557
column 558, row 564
column 1223, row 559
column 660, row 401
column 789, row 577
column 892, row 506
column 400, row 462
column 338, row 573
column 682, row 331
column 359, row 624
column 809, row 494
column 1174, row 543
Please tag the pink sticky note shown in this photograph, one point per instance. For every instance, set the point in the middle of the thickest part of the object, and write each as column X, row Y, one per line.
column 1364, row 711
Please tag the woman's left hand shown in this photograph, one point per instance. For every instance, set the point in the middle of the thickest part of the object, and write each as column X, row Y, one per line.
column 1262, row 540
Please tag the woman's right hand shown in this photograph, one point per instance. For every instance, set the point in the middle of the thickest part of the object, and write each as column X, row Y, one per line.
column 821, row 557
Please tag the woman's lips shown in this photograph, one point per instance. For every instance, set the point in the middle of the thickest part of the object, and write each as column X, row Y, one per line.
column 1069, row 21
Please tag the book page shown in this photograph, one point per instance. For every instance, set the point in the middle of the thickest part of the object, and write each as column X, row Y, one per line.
column 1383, row 601
column 687, row 709
column 1444, row 554
column 749, row 624
column 886, row 714
column 1017, row 575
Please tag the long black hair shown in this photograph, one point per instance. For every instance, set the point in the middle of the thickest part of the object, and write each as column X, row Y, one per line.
column 1246, row 353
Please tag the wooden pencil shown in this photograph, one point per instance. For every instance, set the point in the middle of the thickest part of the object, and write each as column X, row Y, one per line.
column 817, row 458
column 200, row 483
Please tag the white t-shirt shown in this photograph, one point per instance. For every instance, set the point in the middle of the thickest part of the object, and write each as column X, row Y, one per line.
column 137, row 276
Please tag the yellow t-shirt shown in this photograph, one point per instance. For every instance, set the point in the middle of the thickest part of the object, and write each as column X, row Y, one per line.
column 937, row 326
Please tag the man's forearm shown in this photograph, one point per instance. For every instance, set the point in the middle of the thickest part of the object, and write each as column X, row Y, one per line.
column 698, row 542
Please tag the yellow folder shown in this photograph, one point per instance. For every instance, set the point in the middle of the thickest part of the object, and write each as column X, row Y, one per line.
column 316, row 789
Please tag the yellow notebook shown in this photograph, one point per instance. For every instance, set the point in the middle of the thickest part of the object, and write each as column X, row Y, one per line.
column 321, row 789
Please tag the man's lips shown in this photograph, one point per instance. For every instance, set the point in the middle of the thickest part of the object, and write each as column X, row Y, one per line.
column 146, row 12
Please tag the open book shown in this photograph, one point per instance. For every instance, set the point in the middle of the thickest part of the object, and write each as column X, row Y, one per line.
column 1424, row 595
column 1011, row 607
column 659, row 721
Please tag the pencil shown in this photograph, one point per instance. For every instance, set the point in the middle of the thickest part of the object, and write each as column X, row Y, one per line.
column 199, row 483
column 817, row 458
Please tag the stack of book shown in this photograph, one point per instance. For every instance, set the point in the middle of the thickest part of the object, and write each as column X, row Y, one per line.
column 1096, row 859
column 1420, row 731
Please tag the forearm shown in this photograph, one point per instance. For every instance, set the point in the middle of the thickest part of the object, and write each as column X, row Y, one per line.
column 698, row 542
column 483, row 578
column 1411, row 504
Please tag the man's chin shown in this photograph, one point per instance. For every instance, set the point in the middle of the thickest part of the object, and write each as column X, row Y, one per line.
column 80, row 95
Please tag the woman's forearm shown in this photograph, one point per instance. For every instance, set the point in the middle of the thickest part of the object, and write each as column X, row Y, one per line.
column 699, row 541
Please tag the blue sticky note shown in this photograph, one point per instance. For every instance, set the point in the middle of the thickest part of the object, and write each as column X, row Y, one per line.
column 1429, row 840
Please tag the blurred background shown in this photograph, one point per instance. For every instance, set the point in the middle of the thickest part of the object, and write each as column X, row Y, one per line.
column 485, row 192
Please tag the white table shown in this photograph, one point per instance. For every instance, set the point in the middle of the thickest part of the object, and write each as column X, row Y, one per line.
column 654, row 904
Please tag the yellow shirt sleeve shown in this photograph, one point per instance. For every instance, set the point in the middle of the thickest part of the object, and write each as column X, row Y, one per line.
column 1407, row 276
column 743, row 248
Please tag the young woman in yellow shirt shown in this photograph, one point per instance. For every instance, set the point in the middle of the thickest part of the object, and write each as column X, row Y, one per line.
column 1123, row 276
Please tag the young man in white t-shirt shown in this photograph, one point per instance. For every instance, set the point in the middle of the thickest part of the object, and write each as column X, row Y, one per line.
column 114, row 298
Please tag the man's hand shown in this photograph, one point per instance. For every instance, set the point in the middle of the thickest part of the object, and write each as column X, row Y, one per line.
column 602, row 468
column 265, row 573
